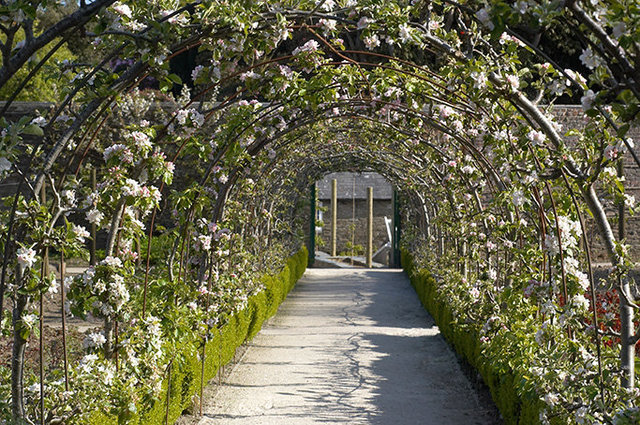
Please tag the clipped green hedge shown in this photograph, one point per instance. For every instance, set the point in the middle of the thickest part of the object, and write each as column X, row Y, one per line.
column 515, row 410
column 186, row 372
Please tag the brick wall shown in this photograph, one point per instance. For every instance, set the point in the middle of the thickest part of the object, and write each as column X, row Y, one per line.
column 573, row 117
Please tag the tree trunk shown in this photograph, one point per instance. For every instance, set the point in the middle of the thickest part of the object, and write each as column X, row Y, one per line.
column 108, row 336
column 627, row 353
column 628, row 349
column 17, row 362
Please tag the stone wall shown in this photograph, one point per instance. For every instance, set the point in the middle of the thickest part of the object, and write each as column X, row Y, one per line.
column 346, row 222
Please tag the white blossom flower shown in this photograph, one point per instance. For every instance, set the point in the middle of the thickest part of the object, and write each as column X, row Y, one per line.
column 309, row 47
column 68, row 198
column 551, row 399
column 513, row 81
column 536, row 137
column 467, row 169
column 53, row 289
column 405, row 33
column 327, row 5
column 479, row 79
column 521, row 6
column 612, row 152
column 618, row 30
column 363, row 22
column 205, row 242
column 131, row 188
column 118, row 149
column 181, row 116
column 94, row 340
column 474, row 292
column 26, row 257
column 587, row 99
column 371, row 41
column 328, row 25
column 196, row 72
column 517, row 197
column 112, row 261
column 118, row 292
column 141, row 140
column 94, row 216
column 581, row 415
column 122, row 9
column 249, row 75
column 445, row 111
column 39, row 121
column 492, row 274
column 29, row 320
column 5, row 165
column 530, row 178
column 557, row 87
column 580, row 302
column 576, row 76
column 35, row 388
column 589, row 58
column 80, row 232
column 629, row 200
column 583, row 279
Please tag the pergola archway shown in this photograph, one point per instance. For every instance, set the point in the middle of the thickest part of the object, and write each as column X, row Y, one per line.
column 437, row 106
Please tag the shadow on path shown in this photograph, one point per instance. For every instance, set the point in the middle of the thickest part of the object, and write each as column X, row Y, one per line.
column 349, row 347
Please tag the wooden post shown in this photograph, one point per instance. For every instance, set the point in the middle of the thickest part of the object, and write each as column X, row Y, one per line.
column 395, row 236
column 94, row 230
column 370, row 227
column 64, row 320
column 312, row 225
column 44, row 271
column 334, row 217
column 465, row 262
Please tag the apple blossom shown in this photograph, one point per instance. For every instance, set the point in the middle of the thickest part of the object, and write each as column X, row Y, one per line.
column 26, row 257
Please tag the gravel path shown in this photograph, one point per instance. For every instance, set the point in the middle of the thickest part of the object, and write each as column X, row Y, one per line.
column 348, row 347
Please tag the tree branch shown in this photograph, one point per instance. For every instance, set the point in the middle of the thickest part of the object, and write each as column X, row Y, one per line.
column 78, row 18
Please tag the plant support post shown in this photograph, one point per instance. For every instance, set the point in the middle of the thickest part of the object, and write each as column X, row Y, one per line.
column 334, row 217
column 370, row 227
column 312, row 224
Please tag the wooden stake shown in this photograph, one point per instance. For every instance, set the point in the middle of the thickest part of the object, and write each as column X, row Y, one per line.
column 64, row 322
column 334, row 217
column 44, row 270
column 370, row 227
column 94, row 230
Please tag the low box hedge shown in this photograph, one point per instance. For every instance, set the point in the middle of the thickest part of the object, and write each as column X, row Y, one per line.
column 515, row 410
column 186, row 372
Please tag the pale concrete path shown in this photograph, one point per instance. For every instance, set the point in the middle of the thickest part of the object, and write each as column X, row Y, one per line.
column 348, row 346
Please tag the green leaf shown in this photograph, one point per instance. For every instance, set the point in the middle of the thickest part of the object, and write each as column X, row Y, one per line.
column 175, row 78
column 33, row 130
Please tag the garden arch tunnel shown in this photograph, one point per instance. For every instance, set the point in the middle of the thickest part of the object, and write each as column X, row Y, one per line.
column 440, row 109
